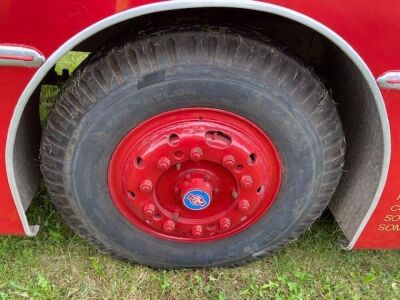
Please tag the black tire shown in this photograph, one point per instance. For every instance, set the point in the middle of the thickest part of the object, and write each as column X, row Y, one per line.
column 245, row 74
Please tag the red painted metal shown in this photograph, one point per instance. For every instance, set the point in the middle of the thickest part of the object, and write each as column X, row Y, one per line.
column 368, row 26
column 184, row 153
column 12, row 83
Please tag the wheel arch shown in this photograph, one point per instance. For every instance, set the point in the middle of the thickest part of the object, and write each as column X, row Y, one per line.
column 353, row 64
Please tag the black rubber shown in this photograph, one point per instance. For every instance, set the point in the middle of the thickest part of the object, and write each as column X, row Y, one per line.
column 117, row 89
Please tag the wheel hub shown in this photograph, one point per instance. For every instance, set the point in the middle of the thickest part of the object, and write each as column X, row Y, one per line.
column 196, row 192
column 194, row 175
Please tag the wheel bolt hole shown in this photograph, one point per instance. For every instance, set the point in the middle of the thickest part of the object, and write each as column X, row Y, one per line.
column 173, row 140
column 218, row 139
column 131, row 195
column 239, row 168
column 139, row 162
column 260, row 189
column 252, row 159
column 179, row 155
column 157, row 217
column 211, row 227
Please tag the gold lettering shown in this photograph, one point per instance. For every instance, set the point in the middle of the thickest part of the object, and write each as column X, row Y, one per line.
column 393, row 227
column 381, row 227
column 389, row 227
column 395, row 207
column 392, row 218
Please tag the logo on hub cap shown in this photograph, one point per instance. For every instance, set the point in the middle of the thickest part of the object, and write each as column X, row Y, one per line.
column 196, row 200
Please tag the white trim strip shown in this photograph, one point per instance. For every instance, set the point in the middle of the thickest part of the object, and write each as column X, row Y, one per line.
column 390, row 80
column 20, row 56
column 185, row 4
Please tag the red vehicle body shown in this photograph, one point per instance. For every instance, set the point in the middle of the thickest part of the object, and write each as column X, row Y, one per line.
column 367, row 205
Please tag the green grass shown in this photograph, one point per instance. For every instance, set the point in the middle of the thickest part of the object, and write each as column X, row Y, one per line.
column 48, row 94
column 59, row 264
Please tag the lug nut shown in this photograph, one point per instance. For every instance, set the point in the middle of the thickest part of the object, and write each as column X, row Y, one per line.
column 146, row 186
column 197, row 231
column 148, row 210
column 224, row 223
column 244, row 206
column 228, row 161
column 169, row 226
column 163, row 164
column 246, row 182
column 196, row 154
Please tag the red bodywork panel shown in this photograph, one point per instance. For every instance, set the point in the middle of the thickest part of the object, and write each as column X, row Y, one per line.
column 370, row 27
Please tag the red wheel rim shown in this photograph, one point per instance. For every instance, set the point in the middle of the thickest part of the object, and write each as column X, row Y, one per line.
column 194, row 174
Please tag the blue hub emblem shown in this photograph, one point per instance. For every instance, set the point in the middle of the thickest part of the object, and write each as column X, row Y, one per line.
column 196, row 200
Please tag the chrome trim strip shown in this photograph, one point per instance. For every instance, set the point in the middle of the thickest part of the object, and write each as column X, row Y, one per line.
column 390, row 80
column 20, row 56
column 184, row 4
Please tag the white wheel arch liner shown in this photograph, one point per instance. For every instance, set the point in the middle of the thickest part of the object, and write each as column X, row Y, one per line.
column 187, row 4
